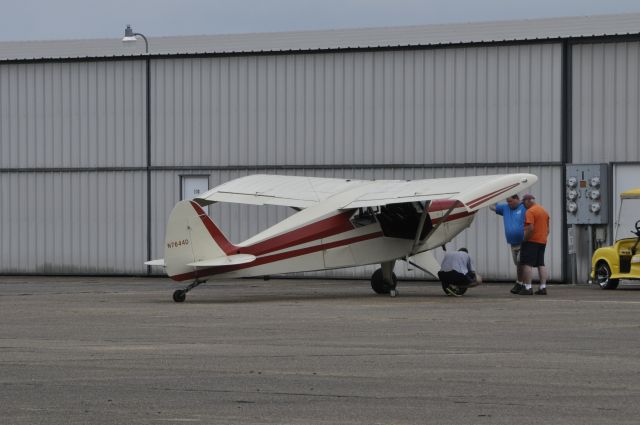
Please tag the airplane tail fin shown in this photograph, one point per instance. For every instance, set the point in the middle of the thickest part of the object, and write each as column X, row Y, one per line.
column 191, row 239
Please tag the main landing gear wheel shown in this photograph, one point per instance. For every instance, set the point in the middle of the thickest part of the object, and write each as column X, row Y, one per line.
column 603, row 276
column 179, row 295
column 379, row 285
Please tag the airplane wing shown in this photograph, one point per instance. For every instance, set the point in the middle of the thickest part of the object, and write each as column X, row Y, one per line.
column 472, row 192
column 292, row 191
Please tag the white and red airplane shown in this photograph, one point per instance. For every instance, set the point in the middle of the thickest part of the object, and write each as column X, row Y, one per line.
column 340, row 223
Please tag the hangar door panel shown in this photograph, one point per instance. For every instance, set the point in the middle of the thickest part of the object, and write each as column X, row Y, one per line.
column 625, row 177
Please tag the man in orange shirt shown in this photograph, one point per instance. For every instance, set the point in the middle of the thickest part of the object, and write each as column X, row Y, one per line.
column 536, row 231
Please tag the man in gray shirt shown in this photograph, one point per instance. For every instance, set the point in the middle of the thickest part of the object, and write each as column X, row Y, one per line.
column 457, row 273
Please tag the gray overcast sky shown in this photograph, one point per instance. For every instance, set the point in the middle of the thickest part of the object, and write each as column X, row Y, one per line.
column 73, row 19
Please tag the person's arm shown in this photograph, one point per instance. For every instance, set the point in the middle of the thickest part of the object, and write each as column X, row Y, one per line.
column 528, row 224
column 528, row 230
column 498, row 208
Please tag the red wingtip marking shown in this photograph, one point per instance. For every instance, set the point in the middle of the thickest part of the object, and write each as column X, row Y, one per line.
column 474, row 203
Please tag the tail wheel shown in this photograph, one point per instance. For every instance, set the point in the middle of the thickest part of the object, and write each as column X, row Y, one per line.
column 378, row 284
column 179, row 295
column 603, row 276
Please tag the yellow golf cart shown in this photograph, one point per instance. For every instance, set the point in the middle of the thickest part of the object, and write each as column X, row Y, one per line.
column 609, row 264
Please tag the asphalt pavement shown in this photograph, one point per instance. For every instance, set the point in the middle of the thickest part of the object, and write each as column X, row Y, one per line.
column 84, row 350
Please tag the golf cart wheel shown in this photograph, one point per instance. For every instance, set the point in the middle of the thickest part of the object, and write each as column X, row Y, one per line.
column 603, row 276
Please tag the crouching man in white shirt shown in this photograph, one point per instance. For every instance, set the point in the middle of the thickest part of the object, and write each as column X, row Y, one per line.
column 457, row 273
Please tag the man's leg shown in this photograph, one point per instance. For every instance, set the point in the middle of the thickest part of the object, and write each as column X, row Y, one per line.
column 542, row 272
column 515, row 255
column 520, row 271
column 527, row 275
column 474, row 279
column 527, row 272
column 527, row 260
column 453, row 278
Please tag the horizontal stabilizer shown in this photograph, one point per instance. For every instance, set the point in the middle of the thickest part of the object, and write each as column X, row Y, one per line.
column 158, row 262
column 224, row 261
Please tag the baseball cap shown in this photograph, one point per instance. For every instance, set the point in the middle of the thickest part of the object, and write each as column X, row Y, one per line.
column 528, row 196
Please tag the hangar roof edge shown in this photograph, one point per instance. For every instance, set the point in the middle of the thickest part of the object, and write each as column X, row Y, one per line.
column 362, row 38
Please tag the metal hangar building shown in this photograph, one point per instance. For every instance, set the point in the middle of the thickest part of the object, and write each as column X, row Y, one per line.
column 99, row 139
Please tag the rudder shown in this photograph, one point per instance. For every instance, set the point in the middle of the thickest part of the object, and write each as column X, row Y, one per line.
column 192, row 236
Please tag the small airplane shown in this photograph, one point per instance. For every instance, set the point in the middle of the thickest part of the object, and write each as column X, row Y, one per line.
column 338, row 223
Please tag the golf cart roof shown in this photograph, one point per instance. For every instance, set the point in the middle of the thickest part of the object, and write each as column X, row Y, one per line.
column 631, row 194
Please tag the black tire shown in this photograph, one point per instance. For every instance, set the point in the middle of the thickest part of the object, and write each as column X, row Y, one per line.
column 378, row 284
column 458, row 290
column 603, row 276
column 179, row 296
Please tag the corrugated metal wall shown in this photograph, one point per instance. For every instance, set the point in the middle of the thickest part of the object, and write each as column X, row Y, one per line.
column 73, row 119
column 73, row 222
column 606, row 102
column 72, row 114
column 444, row 106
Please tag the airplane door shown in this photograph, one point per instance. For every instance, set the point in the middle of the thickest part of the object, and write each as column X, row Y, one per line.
column 193, row 186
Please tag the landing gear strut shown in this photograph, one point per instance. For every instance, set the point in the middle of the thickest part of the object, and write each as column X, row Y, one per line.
column 179, row 295
column 384, row 280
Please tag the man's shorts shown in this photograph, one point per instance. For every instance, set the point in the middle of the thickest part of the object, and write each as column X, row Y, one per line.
column 515, row 254
column 532, row 254
column 453, row 277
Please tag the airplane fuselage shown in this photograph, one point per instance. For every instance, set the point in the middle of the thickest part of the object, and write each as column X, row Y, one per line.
column 339, row 239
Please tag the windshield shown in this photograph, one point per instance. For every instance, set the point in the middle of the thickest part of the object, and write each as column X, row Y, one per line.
column 628, row 215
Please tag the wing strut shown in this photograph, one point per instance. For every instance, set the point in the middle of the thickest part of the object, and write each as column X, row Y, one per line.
column 442, row 219
column 423, row 218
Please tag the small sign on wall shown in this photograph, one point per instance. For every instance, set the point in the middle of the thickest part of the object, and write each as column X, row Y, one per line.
column 194, row 186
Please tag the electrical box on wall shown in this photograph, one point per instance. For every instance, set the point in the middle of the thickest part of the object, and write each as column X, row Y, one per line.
column 587, row 194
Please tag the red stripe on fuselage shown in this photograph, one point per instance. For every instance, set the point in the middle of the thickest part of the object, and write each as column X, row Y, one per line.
column 275, row 257
column 330, row 226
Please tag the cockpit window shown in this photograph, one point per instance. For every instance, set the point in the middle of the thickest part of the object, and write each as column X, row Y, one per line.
column 364, row 216
column 396, row 220
column 402, row 220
